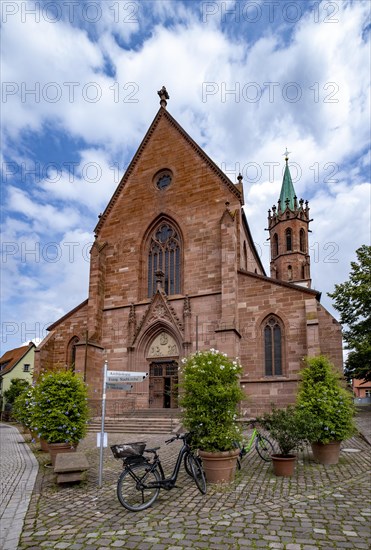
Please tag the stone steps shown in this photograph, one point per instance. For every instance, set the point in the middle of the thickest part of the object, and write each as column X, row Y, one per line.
column 138, row 422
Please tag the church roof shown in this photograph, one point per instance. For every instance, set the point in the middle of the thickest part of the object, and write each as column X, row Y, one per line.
column 68, row 314
column 162, row 112
column 294, row 286
column 287, row 189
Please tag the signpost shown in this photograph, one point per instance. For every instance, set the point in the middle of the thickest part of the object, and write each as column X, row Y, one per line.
column 114, row 380
column 102, row 425
column 111, row 386
column 119, row 376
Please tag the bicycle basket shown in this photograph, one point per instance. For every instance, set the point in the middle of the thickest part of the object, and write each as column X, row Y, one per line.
column 125, row 450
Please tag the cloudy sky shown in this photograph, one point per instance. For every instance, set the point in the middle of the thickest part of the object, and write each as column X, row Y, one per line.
column 246, row 80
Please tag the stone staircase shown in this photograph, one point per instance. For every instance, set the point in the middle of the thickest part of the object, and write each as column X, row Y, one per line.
column 146, row 421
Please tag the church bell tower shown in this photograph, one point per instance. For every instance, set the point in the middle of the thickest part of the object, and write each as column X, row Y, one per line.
column 288, row 226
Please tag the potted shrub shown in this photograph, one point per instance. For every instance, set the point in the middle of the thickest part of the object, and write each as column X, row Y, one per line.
column 328, row 406
column 211, row 393
column 60, row 411
column 288, row 428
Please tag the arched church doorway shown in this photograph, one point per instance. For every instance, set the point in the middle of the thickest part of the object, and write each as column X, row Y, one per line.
column 163, row 357
column 163, row 380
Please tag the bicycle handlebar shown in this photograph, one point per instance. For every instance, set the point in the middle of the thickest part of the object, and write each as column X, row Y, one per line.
column 177, row 436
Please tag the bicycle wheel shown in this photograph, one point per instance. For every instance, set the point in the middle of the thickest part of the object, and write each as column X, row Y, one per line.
column 131, row 494
column 187, row 465
column 197, row 472
column 264, row 448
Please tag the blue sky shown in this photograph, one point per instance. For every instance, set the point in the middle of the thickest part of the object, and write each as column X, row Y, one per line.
column 246, row 79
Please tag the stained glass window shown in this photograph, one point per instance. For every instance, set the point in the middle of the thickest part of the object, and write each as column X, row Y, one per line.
column 163, row 181
column 272, row 347
column 164, row 255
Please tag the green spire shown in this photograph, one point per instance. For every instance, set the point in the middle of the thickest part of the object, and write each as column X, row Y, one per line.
column 287, row 189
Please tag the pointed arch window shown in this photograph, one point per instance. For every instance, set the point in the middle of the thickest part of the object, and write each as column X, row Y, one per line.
column 244, row 255
column 164, row 254
column 272, row 347
column 275, row 245
column 302, row 240
column 288, row 234
column 71, row 352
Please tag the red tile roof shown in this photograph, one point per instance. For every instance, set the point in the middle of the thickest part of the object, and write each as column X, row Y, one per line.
column 12, row 357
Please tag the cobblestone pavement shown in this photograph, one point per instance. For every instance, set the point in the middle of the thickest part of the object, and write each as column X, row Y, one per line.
column 17, row 478
column 320, row 507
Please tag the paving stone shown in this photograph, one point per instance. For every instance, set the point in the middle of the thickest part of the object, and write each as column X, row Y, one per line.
column 259, row 511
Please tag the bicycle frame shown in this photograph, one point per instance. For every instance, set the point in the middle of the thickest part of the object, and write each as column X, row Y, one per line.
column 263, row 446
column 246, row 448
column 165, row 482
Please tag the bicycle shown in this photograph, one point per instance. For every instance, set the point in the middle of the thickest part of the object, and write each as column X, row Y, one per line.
column 264, row 447
column 141, row 480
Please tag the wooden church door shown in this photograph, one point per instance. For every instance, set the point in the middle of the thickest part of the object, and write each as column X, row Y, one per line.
column 163, row 380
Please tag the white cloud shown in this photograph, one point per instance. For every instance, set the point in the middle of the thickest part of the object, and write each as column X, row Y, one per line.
column 327, row 129
column 43, row 217
column 92, row 181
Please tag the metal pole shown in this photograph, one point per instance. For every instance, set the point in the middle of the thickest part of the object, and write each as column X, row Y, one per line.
column 102, row 426
column 196, row 332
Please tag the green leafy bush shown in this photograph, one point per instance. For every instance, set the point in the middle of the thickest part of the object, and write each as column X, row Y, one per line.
column 211, row 393
column 60, row 411
column 327, row 404
column 16, row 388
column 288, row 427
column 23, row 407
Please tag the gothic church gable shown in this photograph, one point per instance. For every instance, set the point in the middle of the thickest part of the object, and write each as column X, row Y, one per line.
column 168, row 146
column 170, row 177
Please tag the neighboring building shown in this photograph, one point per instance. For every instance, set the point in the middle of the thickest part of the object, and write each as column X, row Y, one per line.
column 16, row 363
column 361, row 388
column 174, row 269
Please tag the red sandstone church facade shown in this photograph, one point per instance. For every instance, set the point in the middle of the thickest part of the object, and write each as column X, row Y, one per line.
column 174, row 270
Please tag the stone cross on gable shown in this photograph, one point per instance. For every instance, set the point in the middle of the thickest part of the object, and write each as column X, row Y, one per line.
column 163, row 97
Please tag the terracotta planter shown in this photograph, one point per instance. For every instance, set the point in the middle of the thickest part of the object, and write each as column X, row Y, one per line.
column 44, row 445
column 56, row 448
column 219, row 467
column 283, row 465
column 326, row 453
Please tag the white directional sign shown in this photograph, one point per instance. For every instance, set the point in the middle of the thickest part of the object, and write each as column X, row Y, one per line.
column 120, row 376
column 117, row 386
column 114, row 380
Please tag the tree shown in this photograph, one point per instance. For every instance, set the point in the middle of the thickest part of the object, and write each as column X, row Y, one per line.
column 353, row 301
column 17, row 386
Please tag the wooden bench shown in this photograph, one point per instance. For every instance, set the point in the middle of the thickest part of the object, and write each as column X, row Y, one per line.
column 70, row 467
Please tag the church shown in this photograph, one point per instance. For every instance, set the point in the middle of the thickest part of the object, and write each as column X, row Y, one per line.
column 174, row 270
